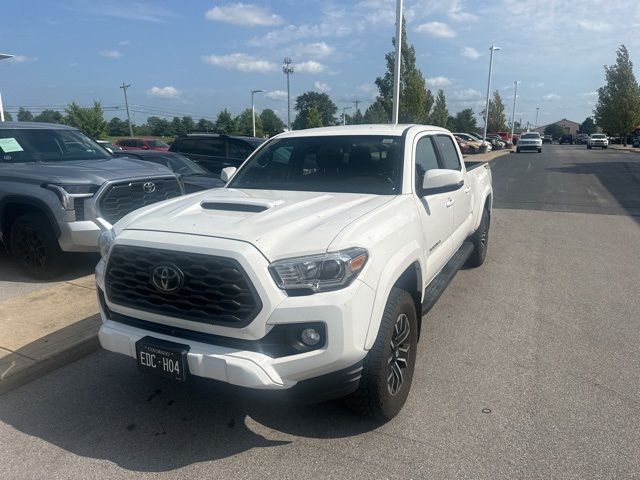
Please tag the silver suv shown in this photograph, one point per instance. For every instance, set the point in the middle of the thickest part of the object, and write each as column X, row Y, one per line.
column 59, row 189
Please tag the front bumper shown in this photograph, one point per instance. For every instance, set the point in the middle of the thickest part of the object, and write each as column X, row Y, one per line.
column 345, row 313
column 532, row 146
column 80, row 236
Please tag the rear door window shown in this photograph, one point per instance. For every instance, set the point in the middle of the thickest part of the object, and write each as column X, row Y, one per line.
column 239, row 149
column 448, row 153
column 213, row 146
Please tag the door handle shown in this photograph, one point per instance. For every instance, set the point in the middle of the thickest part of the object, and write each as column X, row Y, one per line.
column 467, row 190
column 449, row 203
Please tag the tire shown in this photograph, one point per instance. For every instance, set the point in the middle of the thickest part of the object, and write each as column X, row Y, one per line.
column 480, row 240
column 517, row 150
column 604, row 148
column 539, row 150
column 589, row 147
column 35, row 248
column 382, row 392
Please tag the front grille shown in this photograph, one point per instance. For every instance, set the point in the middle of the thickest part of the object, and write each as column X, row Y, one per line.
column 214, row 290
column 124, row 198
column 78, row 206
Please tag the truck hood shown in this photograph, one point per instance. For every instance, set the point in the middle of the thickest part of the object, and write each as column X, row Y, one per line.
column 91, row 171
column 280, row 224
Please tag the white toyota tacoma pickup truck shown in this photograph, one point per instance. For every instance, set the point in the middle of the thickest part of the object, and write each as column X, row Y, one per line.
column 308, row 273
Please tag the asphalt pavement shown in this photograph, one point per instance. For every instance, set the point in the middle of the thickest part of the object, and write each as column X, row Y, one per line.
column 527, row 368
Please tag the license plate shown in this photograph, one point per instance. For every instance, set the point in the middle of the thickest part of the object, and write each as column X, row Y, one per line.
column 160, row 357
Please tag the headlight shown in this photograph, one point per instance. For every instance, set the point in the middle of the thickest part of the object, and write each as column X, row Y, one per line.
column 68, row 192
column 319, row 273
column 105, row 242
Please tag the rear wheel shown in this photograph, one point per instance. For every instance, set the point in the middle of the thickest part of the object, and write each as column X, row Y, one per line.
column 34, row 246
column 480, row 239
column 388, row 367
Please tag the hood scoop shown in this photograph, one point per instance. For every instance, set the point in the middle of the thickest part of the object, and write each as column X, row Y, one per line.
column 250, row 205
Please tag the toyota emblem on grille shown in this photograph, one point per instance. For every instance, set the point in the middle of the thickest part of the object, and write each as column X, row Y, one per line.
column 149, row 187
column 167, row 278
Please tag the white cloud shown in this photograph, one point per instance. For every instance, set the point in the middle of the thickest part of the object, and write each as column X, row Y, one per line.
column 309, row 66
column 332, row 27
column 551, row 96
column 467, row 94
column 313, row 50
column 110, row 54
column 470, row 52
column 132, row 10
column 322, row 87
column 241, row 62
column 124, row 43
column 437, row 81
column 436, row 29
column 594, row 26
column 21, row 59
column 276, row 95
column 589, row 94
column 246, row 15
column 164, row 92
column 368, row 89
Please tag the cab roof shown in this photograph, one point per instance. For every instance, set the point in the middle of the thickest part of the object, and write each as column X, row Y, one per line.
column 372, row 129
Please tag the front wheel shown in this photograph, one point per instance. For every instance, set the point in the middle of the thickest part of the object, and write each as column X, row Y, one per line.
column 480, row 239
column 588, row 147
column 517, row 150
column 34, row 246
column 388, row 367
column 539, row 150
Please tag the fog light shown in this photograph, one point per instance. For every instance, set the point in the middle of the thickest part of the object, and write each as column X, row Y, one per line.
column 310, row 337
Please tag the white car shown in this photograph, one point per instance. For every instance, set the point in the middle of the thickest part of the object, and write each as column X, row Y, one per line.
column 308, row 273
column 597, row 140
column 529, row 141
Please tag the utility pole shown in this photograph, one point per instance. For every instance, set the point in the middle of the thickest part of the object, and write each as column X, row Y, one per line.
column 126, row 104
column 356, row 103
column 396, row 63
column 253, row 110
column 513, row 114
column 3, row 56
column 344, row 115
column 287, row 69
column 486, row 108
column 537, row 111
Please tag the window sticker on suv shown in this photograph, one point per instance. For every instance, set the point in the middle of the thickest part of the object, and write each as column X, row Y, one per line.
column 9, row 145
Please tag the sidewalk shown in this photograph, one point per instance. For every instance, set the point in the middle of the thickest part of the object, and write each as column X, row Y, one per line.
column 46, row 329
column 628, row 148
column 487, row 157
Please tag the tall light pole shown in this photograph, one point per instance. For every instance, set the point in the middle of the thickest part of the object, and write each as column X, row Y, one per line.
column 3, row 56
column 396, row 64
column 513, row 113
column 287, row 69
column 126, row 104
column 537, row 112
column 344, row 115
column 253, row 110
column 486, row 108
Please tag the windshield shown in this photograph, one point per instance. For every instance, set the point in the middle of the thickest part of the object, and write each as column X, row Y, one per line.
column 345, row 163
column 597, row 135
column 255, row 142
column 44, row 145
column 531, row 135
column 182, row 165
column 157, row 144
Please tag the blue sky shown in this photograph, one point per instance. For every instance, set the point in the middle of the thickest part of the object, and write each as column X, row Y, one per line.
column 196, row 57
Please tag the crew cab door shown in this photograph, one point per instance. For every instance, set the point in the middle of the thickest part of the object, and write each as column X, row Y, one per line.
column 462, row 207
column 435, row 210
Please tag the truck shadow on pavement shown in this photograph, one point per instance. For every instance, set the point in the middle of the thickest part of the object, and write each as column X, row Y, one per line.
column 621, row 180
column 78, row 265
column 102, row 407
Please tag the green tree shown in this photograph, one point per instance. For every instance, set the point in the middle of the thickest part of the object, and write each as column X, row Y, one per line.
column 89, row 120
column 497, row 121
column 588, row 126
column 205, row 125
column 555, row 130
column 188, row 125
column 464, row 121
column 271, row 123
column 357, row 118
column 49, row 116
column 159, row 127
column 375, row 114
column 25, row 115
column 117, row 128
column 244, row 124
column 415, row 99
column 176, row 127
column 321, row 102
column 313, row 118
column 618, row 106
column 8, row 117
column 440, row 114
column 224, row 122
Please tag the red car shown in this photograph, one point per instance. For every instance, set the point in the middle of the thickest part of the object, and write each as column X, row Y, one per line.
column 142, row 144
column 506, row 137
column 464, row 147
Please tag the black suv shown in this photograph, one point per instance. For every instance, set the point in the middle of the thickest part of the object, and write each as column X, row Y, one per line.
column 214, row 152
column 566, row 139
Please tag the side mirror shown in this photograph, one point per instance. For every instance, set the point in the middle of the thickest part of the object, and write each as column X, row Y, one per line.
column 227, row 173
column 441, row 181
